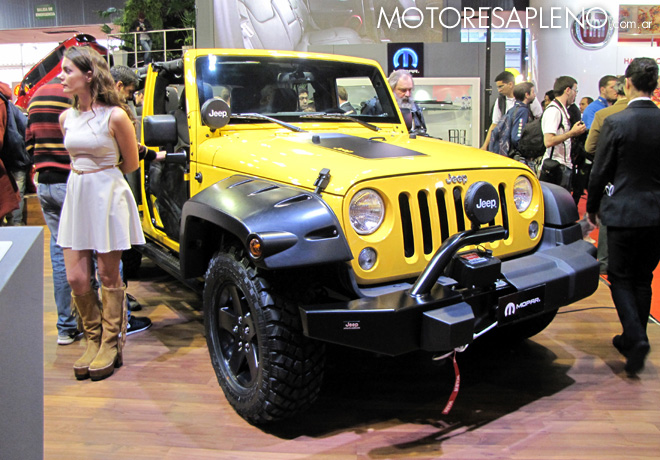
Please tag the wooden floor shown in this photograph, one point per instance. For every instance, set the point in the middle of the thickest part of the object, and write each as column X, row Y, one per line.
column 562, row 395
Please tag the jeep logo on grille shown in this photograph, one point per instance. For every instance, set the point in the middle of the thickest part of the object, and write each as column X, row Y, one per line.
column 456, row 179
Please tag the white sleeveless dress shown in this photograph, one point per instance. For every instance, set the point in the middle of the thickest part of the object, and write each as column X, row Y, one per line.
column 99, row 211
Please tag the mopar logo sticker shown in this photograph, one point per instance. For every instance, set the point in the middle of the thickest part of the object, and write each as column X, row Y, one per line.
column 521, row 305
column 512, row 307
column 351, row 325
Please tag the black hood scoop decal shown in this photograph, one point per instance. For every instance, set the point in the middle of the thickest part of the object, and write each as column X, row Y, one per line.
column 373, row 148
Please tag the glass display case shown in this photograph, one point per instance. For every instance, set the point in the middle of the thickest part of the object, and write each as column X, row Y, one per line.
column 451, row 108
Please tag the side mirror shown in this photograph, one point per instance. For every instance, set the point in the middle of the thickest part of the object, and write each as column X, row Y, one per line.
column 159, row 130
column 407, row 117
column 215, row 113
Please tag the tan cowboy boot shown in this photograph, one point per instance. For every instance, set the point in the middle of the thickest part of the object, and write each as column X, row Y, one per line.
column 88, row 308
column 114, row 333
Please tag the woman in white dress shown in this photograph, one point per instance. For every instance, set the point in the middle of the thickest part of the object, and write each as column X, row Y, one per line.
column 99, row 214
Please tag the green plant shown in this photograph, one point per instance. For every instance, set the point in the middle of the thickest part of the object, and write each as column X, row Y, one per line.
column 112, row 14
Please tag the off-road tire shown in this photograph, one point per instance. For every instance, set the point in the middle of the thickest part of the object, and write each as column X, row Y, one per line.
column 266, row 367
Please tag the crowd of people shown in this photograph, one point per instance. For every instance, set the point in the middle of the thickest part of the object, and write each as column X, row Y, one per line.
column 608, row 147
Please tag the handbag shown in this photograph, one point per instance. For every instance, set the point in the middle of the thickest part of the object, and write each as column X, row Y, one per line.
column 551, row 171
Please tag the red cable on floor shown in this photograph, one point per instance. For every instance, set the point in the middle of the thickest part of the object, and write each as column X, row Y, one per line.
column 457, row 386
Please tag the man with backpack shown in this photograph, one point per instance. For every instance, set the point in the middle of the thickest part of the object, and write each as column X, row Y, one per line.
column 15, row 160
column 504, row 138
column 558, row 132
column 505, row 82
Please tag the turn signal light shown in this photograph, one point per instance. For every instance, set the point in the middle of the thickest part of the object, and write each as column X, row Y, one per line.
column 256, row 249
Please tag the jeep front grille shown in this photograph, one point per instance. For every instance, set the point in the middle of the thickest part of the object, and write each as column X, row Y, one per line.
column 450, row 217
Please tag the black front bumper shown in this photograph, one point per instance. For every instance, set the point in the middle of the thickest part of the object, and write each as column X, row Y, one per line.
column 397, row 323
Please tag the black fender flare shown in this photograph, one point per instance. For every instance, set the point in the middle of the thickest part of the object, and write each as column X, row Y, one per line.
column 561, row 216
column 294, row 227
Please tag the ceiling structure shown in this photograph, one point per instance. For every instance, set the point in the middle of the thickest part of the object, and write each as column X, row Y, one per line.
column 48, row 34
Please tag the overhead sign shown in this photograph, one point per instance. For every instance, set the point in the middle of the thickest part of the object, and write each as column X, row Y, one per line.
column 44, row 11
column 407, row 56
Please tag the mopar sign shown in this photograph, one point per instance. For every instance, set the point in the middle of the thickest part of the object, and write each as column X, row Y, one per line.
column 521, row 305
column 408, row 56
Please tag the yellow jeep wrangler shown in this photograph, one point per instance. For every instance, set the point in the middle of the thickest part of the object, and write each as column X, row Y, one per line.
column 309, row 224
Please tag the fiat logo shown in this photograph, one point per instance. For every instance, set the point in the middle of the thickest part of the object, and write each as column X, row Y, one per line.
column 593, row 29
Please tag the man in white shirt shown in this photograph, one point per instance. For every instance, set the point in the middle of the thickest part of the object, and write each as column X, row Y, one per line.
column 557, row 129
column 505, row 82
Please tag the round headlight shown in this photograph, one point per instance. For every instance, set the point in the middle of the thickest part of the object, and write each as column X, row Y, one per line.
column 522, row 193
column 366, row 211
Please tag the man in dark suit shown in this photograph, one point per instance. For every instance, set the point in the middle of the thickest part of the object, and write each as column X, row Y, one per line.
column 625, row 187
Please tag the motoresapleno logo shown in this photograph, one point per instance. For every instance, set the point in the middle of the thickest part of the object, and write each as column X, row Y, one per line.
column 543, row 17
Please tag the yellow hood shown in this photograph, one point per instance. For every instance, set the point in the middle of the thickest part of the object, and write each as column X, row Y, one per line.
column 352, row 156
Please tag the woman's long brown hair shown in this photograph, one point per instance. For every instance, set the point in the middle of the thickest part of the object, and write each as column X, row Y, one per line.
column 102, row 86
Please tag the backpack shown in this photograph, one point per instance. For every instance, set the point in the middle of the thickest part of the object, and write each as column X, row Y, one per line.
column 531, row 145
column 14, row 154
column 500, row 137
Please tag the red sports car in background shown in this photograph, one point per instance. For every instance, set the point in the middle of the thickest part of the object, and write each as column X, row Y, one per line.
column 48, row 68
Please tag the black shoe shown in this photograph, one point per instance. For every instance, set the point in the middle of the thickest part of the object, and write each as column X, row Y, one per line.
column 617, row 341
column 133, row 304
column 636, row 356
column 137, row 324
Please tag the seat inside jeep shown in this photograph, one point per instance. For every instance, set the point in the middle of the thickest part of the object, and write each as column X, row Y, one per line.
column 166, row 186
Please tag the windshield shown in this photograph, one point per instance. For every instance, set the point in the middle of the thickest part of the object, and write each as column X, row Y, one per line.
column 288, row 88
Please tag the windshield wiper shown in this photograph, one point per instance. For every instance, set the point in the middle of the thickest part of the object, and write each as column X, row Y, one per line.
column 340, row 116
column 258, row 116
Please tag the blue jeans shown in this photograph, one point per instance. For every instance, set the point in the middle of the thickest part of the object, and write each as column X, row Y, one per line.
column 51, row 197
column 146, row 47
column 15, row 218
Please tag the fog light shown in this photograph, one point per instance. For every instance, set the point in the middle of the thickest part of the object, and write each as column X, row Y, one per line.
column 256, row 250
column 367, row 258
column 533, row 229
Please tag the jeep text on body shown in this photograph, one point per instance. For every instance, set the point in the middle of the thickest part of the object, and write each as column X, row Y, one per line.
column 316, row 226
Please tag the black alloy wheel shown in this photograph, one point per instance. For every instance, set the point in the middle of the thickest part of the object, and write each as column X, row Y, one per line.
column 266, row 367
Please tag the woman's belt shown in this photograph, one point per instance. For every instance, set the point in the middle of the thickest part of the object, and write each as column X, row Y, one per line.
column 79, row 172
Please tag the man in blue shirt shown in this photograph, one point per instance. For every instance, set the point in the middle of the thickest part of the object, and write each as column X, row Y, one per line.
column 607, row 97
